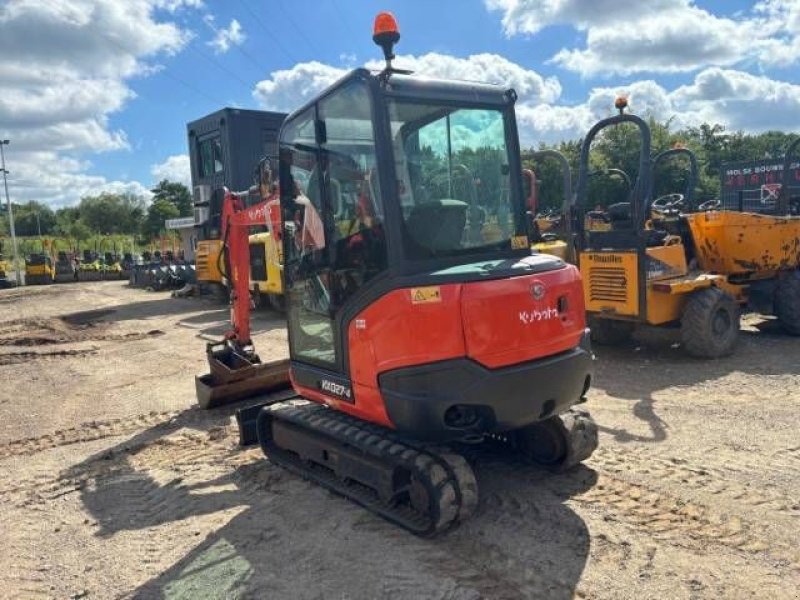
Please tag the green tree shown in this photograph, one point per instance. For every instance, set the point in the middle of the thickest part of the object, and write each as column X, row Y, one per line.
column 158, row 212
column 176, row 193
column 32, row 217
column 112, row 213
column 79, row 231
column 65, row 217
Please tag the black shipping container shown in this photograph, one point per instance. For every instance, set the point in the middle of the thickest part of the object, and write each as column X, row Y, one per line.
column 224, row 149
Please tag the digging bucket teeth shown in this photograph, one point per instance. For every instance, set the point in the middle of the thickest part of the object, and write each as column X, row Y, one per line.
column 236, row 375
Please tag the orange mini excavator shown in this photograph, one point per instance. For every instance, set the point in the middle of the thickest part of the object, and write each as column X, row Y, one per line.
column 417, row 315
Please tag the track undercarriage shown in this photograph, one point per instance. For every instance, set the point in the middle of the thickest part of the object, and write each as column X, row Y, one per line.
column 422, row 487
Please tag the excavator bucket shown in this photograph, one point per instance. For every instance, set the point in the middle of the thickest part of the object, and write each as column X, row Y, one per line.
column 235, row 376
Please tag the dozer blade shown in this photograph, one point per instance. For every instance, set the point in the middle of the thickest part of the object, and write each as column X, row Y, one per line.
column 235, row 376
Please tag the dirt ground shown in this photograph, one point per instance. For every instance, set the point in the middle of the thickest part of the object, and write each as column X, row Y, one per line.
column 114, row 485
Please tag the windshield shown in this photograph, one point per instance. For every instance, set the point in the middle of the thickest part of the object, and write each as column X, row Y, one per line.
column 453, row 171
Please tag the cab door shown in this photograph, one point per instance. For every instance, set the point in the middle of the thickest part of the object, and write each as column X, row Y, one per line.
column 334, row 241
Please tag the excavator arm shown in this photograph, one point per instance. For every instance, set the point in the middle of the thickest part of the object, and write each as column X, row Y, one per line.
column 236, row 371
column 237, row 219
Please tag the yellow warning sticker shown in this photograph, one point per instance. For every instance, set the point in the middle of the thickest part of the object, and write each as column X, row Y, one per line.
column 519, row 242
column 426, row 295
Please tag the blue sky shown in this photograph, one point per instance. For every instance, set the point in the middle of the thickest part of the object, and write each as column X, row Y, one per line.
column 98, row 92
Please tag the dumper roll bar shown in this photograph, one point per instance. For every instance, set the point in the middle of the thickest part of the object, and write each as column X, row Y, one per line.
column 565, row 171
column 694, row 172
column 641, row 193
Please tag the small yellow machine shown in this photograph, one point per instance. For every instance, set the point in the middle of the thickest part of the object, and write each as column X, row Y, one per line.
column 90, row 269
column 39, row 269
column 266, row 267
column 757, row 253
column 547, row 230
column 207, row 261
column 4, row 269
column 638, row 272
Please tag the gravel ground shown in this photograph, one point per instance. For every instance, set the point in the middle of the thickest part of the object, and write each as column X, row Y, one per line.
column 113, row 485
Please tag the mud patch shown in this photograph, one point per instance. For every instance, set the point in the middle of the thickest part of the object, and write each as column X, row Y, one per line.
column 76, row 327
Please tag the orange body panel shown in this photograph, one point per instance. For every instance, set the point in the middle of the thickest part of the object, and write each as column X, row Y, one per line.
column 504, row 324
column 733, row 242
column 496, row 323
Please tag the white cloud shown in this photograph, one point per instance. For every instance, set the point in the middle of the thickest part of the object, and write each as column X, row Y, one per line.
column 486, row 68
column 740, row 100
column 65, row 69
column 678, row 40
column 530, row 16
column 59, row 180
column 732, row 98
column 290, row 88
column 552, row 123
column 225, row 38
column 174, row 168
column 665, row 36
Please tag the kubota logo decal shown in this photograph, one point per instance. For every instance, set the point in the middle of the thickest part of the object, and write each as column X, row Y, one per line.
column 534, row 316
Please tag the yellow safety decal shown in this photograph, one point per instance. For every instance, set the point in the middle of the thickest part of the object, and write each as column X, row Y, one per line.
column 426, row 295
column 519, row 242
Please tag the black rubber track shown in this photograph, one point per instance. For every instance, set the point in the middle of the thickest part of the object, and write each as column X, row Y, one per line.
column 787, row 303
column 698, row 331
column 447, row 478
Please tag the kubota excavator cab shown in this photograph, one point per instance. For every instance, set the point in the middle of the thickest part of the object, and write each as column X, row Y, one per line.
column 402, row 309
column 413, row 302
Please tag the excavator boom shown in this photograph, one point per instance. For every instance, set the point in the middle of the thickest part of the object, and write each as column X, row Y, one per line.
column 236, row 371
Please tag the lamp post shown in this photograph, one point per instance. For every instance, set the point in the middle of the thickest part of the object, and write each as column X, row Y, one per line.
column 10, row 213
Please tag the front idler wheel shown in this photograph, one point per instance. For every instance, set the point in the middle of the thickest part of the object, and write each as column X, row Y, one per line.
column 560, row 442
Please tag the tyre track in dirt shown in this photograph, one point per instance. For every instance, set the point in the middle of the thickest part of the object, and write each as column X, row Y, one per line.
column 641, row 464
column 15, row 358
column 656, row 512
column 681, row 522
column 179, row 455
column 188, row 455
column 88, row 432
column 160, row 479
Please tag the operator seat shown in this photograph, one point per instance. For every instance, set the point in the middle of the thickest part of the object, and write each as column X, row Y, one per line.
column 437, row 225
column 620, row 215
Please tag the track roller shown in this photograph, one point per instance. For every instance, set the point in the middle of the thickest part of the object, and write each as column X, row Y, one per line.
column 423, row 490
column 560, row 442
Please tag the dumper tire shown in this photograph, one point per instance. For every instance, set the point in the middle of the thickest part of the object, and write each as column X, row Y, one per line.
column 787, row 303
column 710, row 324
column 610, row 332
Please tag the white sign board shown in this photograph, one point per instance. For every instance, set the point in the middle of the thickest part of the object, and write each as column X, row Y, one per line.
column 182, row 223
